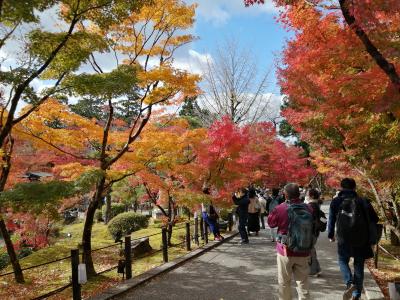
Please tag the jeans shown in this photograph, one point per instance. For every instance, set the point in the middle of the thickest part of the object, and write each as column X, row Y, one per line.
column 242, row 228
column 314, row 263
column 358, row 277
column 212, row 224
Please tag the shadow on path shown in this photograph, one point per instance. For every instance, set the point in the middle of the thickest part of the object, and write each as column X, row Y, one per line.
column 234, row 271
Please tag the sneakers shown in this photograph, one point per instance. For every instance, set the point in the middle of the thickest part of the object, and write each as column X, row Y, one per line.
column 349, row 291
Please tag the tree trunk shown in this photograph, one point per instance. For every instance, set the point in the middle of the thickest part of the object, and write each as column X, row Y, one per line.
column 107, row 216
column 19, row 277
column 87, row 229
column 172, row 213
column 169, row 230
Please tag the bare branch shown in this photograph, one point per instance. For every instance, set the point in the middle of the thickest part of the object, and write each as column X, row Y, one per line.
column 234, row 87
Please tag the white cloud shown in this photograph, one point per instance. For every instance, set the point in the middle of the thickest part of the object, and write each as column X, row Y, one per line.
column 192, row 61
column 220, row 11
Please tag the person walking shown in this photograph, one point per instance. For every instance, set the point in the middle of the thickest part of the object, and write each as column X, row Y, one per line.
column 263, row 209
column 352, row 216
column 272, row 202
column 254, row 212
column 293, row 246
column 320, row 226
column 241, row 199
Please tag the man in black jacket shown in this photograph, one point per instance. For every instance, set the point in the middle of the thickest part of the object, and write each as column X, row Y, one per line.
column 241, row 199
column 339, row 211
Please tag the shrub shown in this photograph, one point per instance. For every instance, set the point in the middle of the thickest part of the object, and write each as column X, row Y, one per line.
column 126, row 223
column 224, row 214
column 24, row 252
column 55, row 230
column 98, row 215
column 116, row 209
column 4, row 260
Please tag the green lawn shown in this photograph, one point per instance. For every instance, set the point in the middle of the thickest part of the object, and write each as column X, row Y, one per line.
column 46, row 278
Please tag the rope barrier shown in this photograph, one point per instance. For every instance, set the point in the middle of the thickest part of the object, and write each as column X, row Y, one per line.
column 53, row 292
column 39, row 265
column 388, row 253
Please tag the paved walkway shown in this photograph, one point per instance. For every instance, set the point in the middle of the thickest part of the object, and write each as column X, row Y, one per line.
column 234, row 271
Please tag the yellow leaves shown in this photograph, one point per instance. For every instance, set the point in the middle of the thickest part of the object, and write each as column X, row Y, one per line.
column 168, row 13
column 73, row 170
column 168, row 82
column 55, row 123
column 153, row 32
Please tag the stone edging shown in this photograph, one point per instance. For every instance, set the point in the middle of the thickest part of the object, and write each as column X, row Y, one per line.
column 151, row 274
column 371, row 288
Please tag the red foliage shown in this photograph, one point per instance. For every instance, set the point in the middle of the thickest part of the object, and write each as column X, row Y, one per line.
column 32, row 231
column 235, row 156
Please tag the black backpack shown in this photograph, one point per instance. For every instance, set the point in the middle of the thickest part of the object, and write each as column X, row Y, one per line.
column 352, row 226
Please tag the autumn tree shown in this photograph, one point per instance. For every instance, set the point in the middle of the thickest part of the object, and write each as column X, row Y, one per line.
column 340, row 101
column 372, row 22
column 169, row 144
column 38, row 55
column 234, row 156
column 144, row 43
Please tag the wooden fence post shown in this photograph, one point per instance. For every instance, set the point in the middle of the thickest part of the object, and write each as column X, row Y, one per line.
column 188, row 248
column 205, row 232
column 76, row 287
column 202, row 228
column 164, row 244
column 128, row 257
column 376, row 256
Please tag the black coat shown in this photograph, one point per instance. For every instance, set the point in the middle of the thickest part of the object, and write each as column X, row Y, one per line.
column 243, row 205
column 344, row 249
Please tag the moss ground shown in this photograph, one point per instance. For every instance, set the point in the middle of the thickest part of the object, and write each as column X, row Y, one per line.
column 50, row 277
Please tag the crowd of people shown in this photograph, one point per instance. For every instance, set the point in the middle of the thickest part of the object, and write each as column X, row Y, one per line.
column 295, row 221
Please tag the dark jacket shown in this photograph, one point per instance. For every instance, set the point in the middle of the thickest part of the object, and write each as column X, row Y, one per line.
column 344, row 249
column 243, row 205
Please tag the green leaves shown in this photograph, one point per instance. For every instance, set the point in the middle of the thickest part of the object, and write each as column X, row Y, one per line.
column 76, row 51
column 17, row 11
column 119, row 82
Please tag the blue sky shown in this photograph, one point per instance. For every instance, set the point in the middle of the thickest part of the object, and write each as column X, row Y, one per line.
column 216, row 20
column 254, row 28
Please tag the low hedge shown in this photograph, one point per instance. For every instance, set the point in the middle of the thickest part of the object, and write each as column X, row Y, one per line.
column 126, row 223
